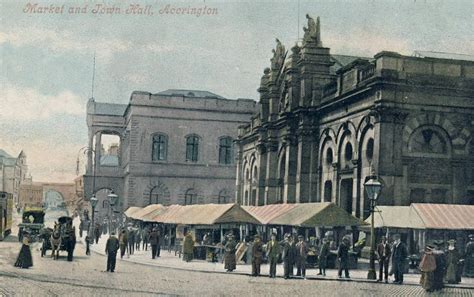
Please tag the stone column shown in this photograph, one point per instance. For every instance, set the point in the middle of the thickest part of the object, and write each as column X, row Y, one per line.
column 271, row 180
column 238, row 179
column 290, row 173
column 262, row 166
column 303, row 167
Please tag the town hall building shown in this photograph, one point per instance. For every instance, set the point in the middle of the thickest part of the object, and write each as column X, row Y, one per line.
column 327, row 122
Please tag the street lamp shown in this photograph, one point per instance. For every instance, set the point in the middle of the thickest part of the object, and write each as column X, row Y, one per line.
column 112, row 201
column 93, row 202
column 373, row 188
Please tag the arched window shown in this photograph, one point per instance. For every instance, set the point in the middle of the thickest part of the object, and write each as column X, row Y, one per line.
column 159, row 195
column 348, row 152
column 190, row 197
column 369, row 151
column 329, row 156
column 159, row 147
column 327, row 191
column 225, row 150
column 192, row 148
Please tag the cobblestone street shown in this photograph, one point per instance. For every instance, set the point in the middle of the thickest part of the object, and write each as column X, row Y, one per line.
column 85, row 276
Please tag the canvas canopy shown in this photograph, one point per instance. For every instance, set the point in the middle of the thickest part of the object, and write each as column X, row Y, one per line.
column 425, row 216
column 395, row 217
column 325, row 214
column 131, row 210
column 139, row 214
column 205, row 214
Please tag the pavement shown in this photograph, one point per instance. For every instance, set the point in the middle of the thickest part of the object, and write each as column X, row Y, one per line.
column 170, row 260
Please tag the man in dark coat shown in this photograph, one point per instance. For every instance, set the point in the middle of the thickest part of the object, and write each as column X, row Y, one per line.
column 257, row 255
column 399, row 255
column 287, row 256
column 153, row 239
column 123, row 242
column 145, row 238
column 323, row 257
column 97, row 232
column 383, row 252
column 469, row 257
column 111, row 248
column 343, row 257
column 301, row 256
column 131, row 241
column 273, row 252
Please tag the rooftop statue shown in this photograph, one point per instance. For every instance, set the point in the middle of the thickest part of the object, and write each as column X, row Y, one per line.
column 278, row 55
column 313, row 32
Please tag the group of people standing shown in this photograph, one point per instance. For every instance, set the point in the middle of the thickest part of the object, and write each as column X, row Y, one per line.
column 439, row 266
column 293, row 251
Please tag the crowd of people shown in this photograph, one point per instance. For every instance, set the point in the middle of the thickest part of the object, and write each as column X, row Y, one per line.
column 441, row 261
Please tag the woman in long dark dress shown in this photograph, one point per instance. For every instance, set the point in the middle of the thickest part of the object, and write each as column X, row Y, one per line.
column 24, row 259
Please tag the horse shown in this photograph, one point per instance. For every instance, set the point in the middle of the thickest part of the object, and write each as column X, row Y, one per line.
column 55, row 241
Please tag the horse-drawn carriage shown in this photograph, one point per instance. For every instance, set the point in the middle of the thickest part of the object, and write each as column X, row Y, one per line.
column 32, row 222
column 61, row 238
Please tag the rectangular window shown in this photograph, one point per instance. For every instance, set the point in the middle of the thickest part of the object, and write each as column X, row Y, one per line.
column 159, row 148
column 192, row 148
column 225, row 150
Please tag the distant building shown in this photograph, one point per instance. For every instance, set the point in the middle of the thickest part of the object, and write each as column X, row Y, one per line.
column 31, row 194
column 13, row 172
column 174, row 147
column 324, row 119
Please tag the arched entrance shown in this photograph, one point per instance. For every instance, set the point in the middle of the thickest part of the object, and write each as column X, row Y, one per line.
column 53, row 200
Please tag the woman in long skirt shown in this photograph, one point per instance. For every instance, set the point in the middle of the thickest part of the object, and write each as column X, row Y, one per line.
column 427, row 267
column 229, row 255
column 24, row 259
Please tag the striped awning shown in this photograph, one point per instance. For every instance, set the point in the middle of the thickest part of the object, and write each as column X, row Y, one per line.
column 445, row 216
column 266, row 213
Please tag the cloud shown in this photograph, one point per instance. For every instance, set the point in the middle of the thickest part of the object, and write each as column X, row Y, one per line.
column 27, row 104
column 60, row 41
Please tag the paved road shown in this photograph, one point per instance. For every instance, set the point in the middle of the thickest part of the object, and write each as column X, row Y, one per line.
column 85, row 276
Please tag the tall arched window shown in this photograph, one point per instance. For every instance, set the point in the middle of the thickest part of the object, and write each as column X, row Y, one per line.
column 159, row 195
column 192, row 148
column 190, row 197
column 327, row 191
column 223, row 197
column 225, row 150
column 159, row 147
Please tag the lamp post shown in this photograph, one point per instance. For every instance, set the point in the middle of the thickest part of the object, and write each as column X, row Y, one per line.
column 112, row 200
column 373, row 188
column 93, row 202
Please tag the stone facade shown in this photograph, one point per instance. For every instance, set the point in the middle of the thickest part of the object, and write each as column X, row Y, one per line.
column 13, row 172
column 175, row 147
column 324, row 120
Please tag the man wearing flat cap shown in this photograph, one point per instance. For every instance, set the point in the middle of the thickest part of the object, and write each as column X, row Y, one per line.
column 229, row 255
column 399, row 256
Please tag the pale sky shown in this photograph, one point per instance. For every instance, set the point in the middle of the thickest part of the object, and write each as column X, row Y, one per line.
column 46, row 59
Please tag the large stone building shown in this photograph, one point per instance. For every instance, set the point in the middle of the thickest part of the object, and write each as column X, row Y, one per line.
column 13, row 172
column 325, row 119
column 173, row 147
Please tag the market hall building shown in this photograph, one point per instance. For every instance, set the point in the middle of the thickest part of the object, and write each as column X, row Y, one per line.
column 325, row 119
column 173, row 147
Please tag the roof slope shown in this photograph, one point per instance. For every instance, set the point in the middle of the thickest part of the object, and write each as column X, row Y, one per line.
column 315, row 215
column 445, row 216
column 190, row 93
column 266, row 213
column 131, row 210
column 396, row 217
